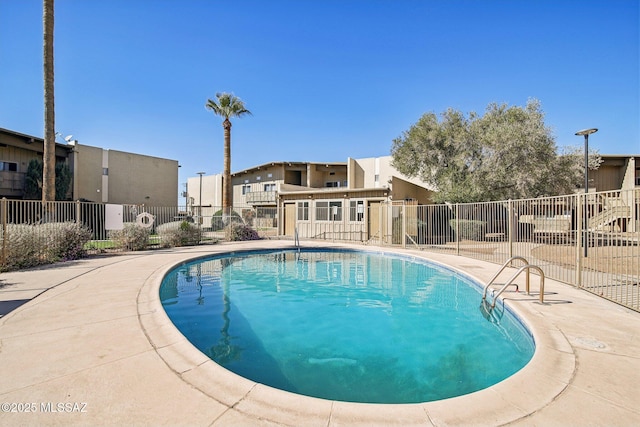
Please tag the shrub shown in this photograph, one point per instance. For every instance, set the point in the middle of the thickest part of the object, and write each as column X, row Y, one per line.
column 469, row 229
column 23, row 246
column 248, row 215
column 240, row 232
column 218, row 222
column 132, row 237
column 31, row 245
column 178, row 233
column 66, row 240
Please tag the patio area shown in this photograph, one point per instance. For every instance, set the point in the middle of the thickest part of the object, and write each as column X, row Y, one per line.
column 88, row 343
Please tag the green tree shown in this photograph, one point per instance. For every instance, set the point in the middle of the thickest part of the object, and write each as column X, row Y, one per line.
column 508, row 153
column 49, row 159
column 63, row 181
column 34, row 180
column 228, row 106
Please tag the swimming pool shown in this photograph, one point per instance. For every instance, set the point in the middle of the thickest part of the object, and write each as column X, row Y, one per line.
column 345, row 325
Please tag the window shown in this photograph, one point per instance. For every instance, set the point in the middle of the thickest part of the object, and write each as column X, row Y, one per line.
column 356, row 210
column 332, row 184
column 105, row 171
column 246, row 189
column 329, row 211
column 269, row 175
column 303, row 211
column 9, row 166
column 269, row 187
column 376, row 178
column 322, row 211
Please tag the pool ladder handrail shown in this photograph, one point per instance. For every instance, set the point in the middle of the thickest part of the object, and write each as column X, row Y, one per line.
column 509, row 282
column 296, row 239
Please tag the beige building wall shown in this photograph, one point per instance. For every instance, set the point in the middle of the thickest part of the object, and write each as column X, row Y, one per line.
column 87, row 173
column 632, row 174
column 320, row 174
column 112, row 176
column 258, row 186
column 265, row 178
column 377, row 172
column 404, row 190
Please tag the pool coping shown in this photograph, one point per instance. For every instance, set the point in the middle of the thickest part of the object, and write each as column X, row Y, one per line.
column 515, row 398
column 94, row 333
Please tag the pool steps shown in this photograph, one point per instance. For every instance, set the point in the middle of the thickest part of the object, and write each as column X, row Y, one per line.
column 526, row 267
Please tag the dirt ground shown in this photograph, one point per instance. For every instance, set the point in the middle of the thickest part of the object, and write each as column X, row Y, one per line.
column 623, row 260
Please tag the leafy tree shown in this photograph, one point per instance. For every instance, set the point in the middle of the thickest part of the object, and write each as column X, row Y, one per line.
column 508, row 153
column 63, row 181
column 33, row 180
column 227, row 106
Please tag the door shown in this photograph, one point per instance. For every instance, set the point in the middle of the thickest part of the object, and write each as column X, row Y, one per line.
column 373, row 224
column 289, row 219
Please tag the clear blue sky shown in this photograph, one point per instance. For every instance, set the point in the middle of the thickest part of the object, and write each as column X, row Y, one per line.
column 325, row 79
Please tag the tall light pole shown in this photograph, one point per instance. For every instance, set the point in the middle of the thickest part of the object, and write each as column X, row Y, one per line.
column 586, row 133
column 200, row 199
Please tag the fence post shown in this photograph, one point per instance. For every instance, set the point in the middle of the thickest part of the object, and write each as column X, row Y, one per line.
column 578, row 239
column 3, row 213
column 403, row 212
column 380, row 220
column 457, row 230
column 510, row 226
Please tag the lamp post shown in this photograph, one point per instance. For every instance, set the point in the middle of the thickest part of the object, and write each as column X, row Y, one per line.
column 200, row 199
column 586, row 133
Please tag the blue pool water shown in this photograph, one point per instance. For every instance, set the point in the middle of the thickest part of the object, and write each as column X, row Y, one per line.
column 345, row 325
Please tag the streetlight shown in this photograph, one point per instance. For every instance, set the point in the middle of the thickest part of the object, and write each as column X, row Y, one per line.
column 200, row 200
column 586, row 133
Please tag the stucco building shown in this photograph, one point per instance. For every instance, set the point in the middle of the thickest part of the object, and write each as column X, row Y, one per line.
column 99, row 175
column 312, row 195
column 111, row 176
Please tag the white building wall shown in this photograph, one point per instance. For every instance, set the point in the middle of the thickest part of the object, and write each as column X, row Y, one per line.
column 381, row 168
column 211, row 190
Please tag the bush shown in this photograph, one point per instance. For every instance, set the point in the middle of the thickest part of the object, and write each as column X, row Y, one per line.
column 178, row 233
column 240, row 232
column 218, row 222
column 132, row 237
column 31, row 245
column 66, row 240
column 469, row 229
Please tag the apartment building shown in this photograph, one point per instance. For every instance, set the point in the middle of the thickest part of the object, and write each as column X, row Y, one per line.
column 99, row 175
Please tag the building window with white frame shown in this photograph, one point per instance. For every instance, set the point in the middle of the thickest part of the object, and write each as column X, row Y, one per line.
column 356, row 210
column 269, row 187
column 303, row 211
column 329, row 211
column 246, row 189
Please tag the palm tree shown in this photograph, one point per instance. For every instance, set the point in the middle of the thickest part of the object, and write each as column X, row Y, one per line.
column 49, row 158
column 228, row 105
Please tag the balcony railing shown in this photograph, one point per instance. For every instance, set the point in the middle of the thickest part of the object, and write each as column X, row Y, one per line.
column 254, row 197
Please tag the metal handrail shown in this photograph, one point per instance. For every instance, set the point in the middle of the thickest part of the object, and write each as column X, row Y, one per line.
column 513, row 258
column 517, row 273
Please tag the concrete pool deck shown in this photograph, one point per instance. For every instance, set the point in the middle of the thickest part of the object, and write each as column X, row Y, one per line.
column 93, row 346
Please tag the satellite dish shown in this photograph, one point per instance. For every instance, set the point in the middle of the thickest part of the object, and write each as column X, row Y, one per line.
column 68, row 138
